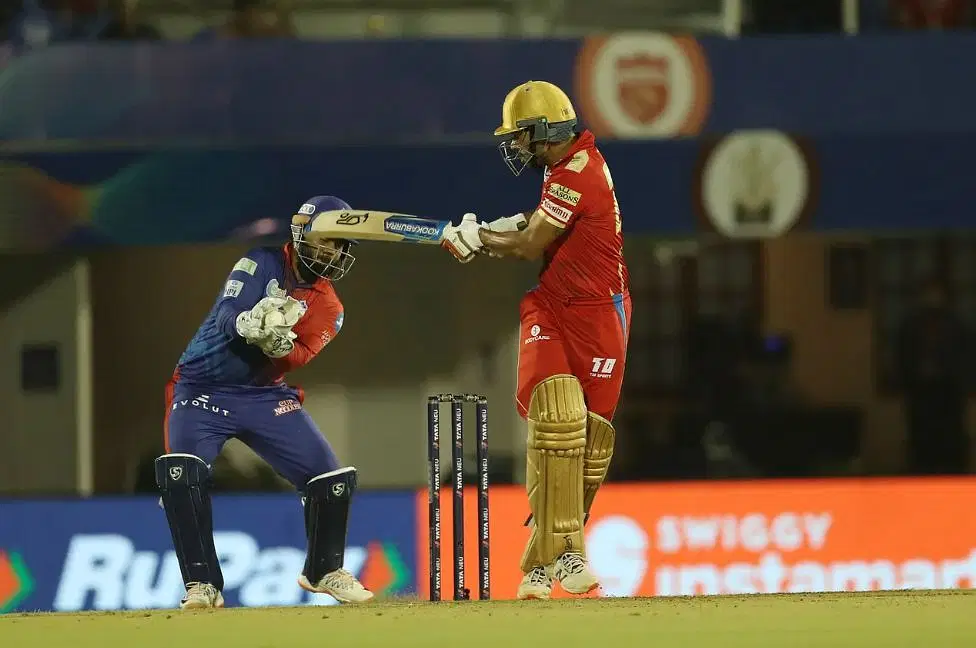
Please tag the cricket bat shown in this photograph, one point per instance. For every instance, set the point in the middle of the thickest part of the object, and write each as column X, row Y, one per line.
column 367, row 225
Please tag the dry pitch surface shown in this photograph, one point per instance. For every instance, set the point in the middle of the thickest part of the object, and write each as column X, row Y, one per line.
column 889, row 620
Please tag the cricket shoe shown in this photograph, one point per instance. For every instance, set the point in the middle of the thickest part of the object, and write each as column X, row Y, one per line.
column 340, row 585
column 573, row 574
column 535, row 585
column 201, row 596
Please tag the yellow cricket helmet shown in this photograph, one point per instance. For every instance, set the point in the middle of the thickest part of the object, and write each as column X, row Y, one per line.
column 540, row 109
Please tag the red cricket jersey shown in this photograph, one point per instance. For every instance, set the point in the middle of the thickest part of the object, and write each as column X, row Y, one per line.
column 578, row 197
column 321, row 322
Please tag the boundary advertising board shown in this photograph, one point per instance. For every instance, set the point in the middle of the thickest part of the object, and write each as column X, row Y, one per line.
column 116, row 553
column 642, row 540
column 748, row 537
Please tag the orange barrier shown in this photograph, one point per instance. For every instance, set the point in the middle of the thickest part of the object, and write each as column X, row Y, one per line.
column 744, row 537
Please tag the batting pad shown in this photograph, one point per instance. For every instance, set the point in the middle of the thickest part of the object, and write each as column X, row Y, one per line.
column 596, row 457
column 596, row 462
column 554, row 471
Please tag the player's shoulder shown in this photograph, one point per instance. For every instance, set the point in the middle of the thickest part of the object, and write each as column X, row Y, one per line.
column 576, row 165
column 259, row 258
column 584, row 166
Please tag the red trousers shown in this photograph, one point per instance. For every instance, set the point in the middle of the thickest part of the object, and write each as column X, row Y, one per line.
column 583, row 337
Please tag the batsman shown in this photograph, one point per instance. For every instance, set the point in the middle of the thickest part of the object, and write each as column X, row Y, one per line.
column 573, row 325
column 277, row 310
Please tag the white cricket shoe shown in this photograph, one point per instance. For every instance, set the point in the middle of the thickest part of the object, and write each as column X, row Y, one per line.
column 340, row 585
column 201, row 596
column 535, row 585
column 573, row 574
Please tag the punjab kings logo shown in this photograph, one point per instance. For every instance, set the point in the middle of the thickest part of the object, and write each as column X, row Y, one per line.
column 755, row 184
column 643, row 85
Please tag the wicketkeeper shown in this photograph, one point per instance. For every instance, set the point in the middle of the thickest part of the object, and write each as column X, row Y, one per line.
column 276, row 311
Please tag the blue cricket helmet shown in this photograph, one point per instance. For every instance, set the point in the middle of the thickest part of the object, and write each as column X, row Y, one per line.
column 328, row 258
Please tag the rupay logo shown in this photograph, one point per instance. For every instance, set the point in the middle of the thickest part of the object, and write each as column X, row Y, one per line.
column 108, row 572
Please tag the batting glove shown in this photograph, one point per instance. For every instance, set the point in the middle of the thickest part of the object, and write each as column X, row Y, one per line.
column 463, row 240
column 514, row 223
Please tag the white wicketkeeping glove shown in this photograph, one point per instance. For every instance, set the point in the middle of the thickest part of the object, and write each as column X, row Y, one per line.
column 291, row 312
column 462, row 240
column 278, row 345
column 279, row 341
column 269, row 325
column 250, row 324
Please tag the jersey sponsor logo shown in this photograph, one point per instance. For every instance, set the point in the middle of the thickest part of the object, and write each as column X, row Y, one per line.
column 565, row 194
column 418, row 229
column 273, row 290
column 286, row 406
column 200, row 402
column 307, row 209
column 559, row 213
column 602, row 367
column 246, row 265
column 233, row 288
column 535, row 335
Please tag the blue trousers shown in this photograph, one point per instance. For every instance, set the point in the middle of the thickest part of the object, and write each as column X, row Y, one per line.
column 269, row 420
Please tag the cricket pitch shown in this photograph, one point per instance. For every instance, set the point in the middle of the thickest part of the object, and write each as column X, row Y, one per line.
column 871, row 620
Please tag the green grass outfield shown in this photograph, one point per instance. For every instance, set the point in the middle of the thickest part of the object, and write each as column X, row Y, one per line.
column 887, row 620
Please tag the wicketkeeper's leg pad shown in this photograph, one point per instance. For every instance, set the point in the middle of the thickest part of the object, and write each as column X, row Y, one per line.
column 554, row 476
column 183, row 481
column 327, row 500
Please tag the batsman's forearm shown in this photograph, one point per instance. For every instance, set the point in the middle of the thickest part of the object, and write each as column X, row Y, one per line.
column 508, row 244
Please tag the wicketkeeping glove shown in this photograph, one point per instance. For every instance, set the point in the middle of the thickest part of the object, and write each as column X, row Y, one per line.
column 269, row 325
column 250, row 324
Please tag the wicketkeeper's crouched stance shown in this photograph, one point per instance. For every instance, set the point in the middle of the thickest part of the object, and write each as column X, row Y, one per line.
column 574, row 325
column 277, row 310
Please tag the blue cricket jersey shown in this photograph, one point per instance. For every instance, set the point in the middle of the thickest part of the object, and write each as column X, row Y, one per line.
column 218, row 356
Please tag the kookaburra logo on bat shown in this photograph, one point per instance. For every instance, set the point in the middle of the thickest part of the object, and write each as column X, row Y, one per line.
column 372, row 225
